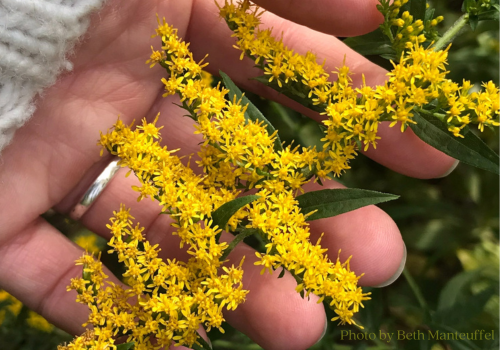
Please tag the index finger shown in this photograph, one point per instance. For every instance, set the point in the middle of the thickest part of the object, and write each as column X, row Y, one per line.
column 401, row 152
column 336, row 17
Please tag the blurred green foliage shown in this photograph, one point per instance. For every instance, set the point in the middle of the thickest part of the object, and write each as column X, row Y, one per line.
column 450, row 227
column 17, row 333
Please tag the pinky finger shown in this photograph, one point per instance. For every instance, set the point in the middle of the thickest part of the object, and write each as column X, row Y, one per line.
column 36, row 265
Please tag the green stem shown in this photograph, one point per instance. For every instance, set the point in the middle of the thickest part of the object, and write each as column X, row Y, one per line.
column 439, row 116
column 415, row 289
column 452, row 32
column 237, row 239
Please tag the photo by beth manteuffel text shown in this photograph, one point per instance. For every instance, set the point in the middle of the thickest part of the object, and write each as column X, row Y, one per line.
column 419, row 335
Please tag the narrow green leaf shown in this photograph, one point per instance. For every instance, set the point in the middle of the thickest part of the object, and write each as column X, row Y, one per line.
column 337, row 201
column 451, row 292
column 125, row 346
column 491, row 15
column 294, row 94
column 221, row 216
column 252, row 112
column 429, row 14
column 470, row 149
column 242, row 234
column 390, row 57
column 373, row 43
column 473, row 21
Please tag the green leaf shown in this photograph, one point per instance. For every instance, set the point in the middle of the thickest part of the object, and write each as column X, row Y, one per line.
column 221, row 216
column 252, row 112
column 373, row 313
column 242, row 234
column 491, row 15
column 337, row 201
column 451, row 292
column 473, row 21
column 429, row 14
column 125, row 346
column 373, row 43
column 470, row 149
column 461, row 312
column 294, row 94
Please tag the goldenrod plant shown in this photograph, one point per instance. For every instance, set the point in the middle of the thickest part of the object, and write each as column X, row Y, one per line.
column 164, row 302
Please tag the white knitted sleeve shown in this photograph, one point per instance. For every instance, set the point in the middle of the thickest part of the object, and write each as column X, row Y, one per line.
column 35, row 36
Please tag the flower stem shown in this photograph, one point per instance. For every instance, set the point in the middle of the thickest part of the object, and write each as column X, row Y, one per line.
column 416, row 291
column 452, row 32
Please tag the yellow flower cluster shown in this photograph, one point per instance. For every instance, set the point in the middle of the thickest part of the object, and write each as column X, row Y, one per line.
column 36, row 321
column 239, row 153
column 14, row 306
column 88, row 242
column 86, row 341
column 465, row 108
column 235, row 149
column 286, row 230
column 401, row 28
column 164, row 177
column 355, row 113
column 167, row 300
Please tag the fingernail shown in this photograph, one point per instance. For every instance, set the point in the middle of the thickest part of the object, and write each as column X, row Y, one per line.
column 397, row 273
column 449, row 171
column 324, row 330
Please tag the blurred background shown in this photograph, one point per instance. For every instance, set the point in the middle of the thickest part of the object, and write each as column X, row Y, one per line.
column 450, row 226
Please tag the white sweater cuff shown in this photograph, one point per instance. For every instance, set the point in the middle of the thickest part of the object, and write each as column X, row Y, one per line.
column 35, row 37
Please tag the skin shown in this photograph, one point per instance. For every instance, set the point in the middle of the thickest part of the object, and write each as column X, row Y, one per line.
column 54, row 158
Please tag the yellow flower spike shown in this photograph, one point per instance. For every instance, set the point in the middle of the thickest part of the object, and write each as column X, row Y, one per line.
column 418, row 63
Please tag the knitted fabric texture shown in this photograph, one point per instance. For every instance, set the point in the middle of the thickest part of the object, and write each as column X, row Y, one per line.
column 35, row 36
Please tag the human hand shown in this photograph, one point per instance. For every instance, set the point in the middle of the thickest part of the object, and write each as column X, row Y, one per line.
column 54, row 158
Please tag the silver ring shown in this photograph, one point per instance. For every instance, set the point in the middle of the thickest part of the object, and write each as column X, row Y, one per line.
column 94, row 190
